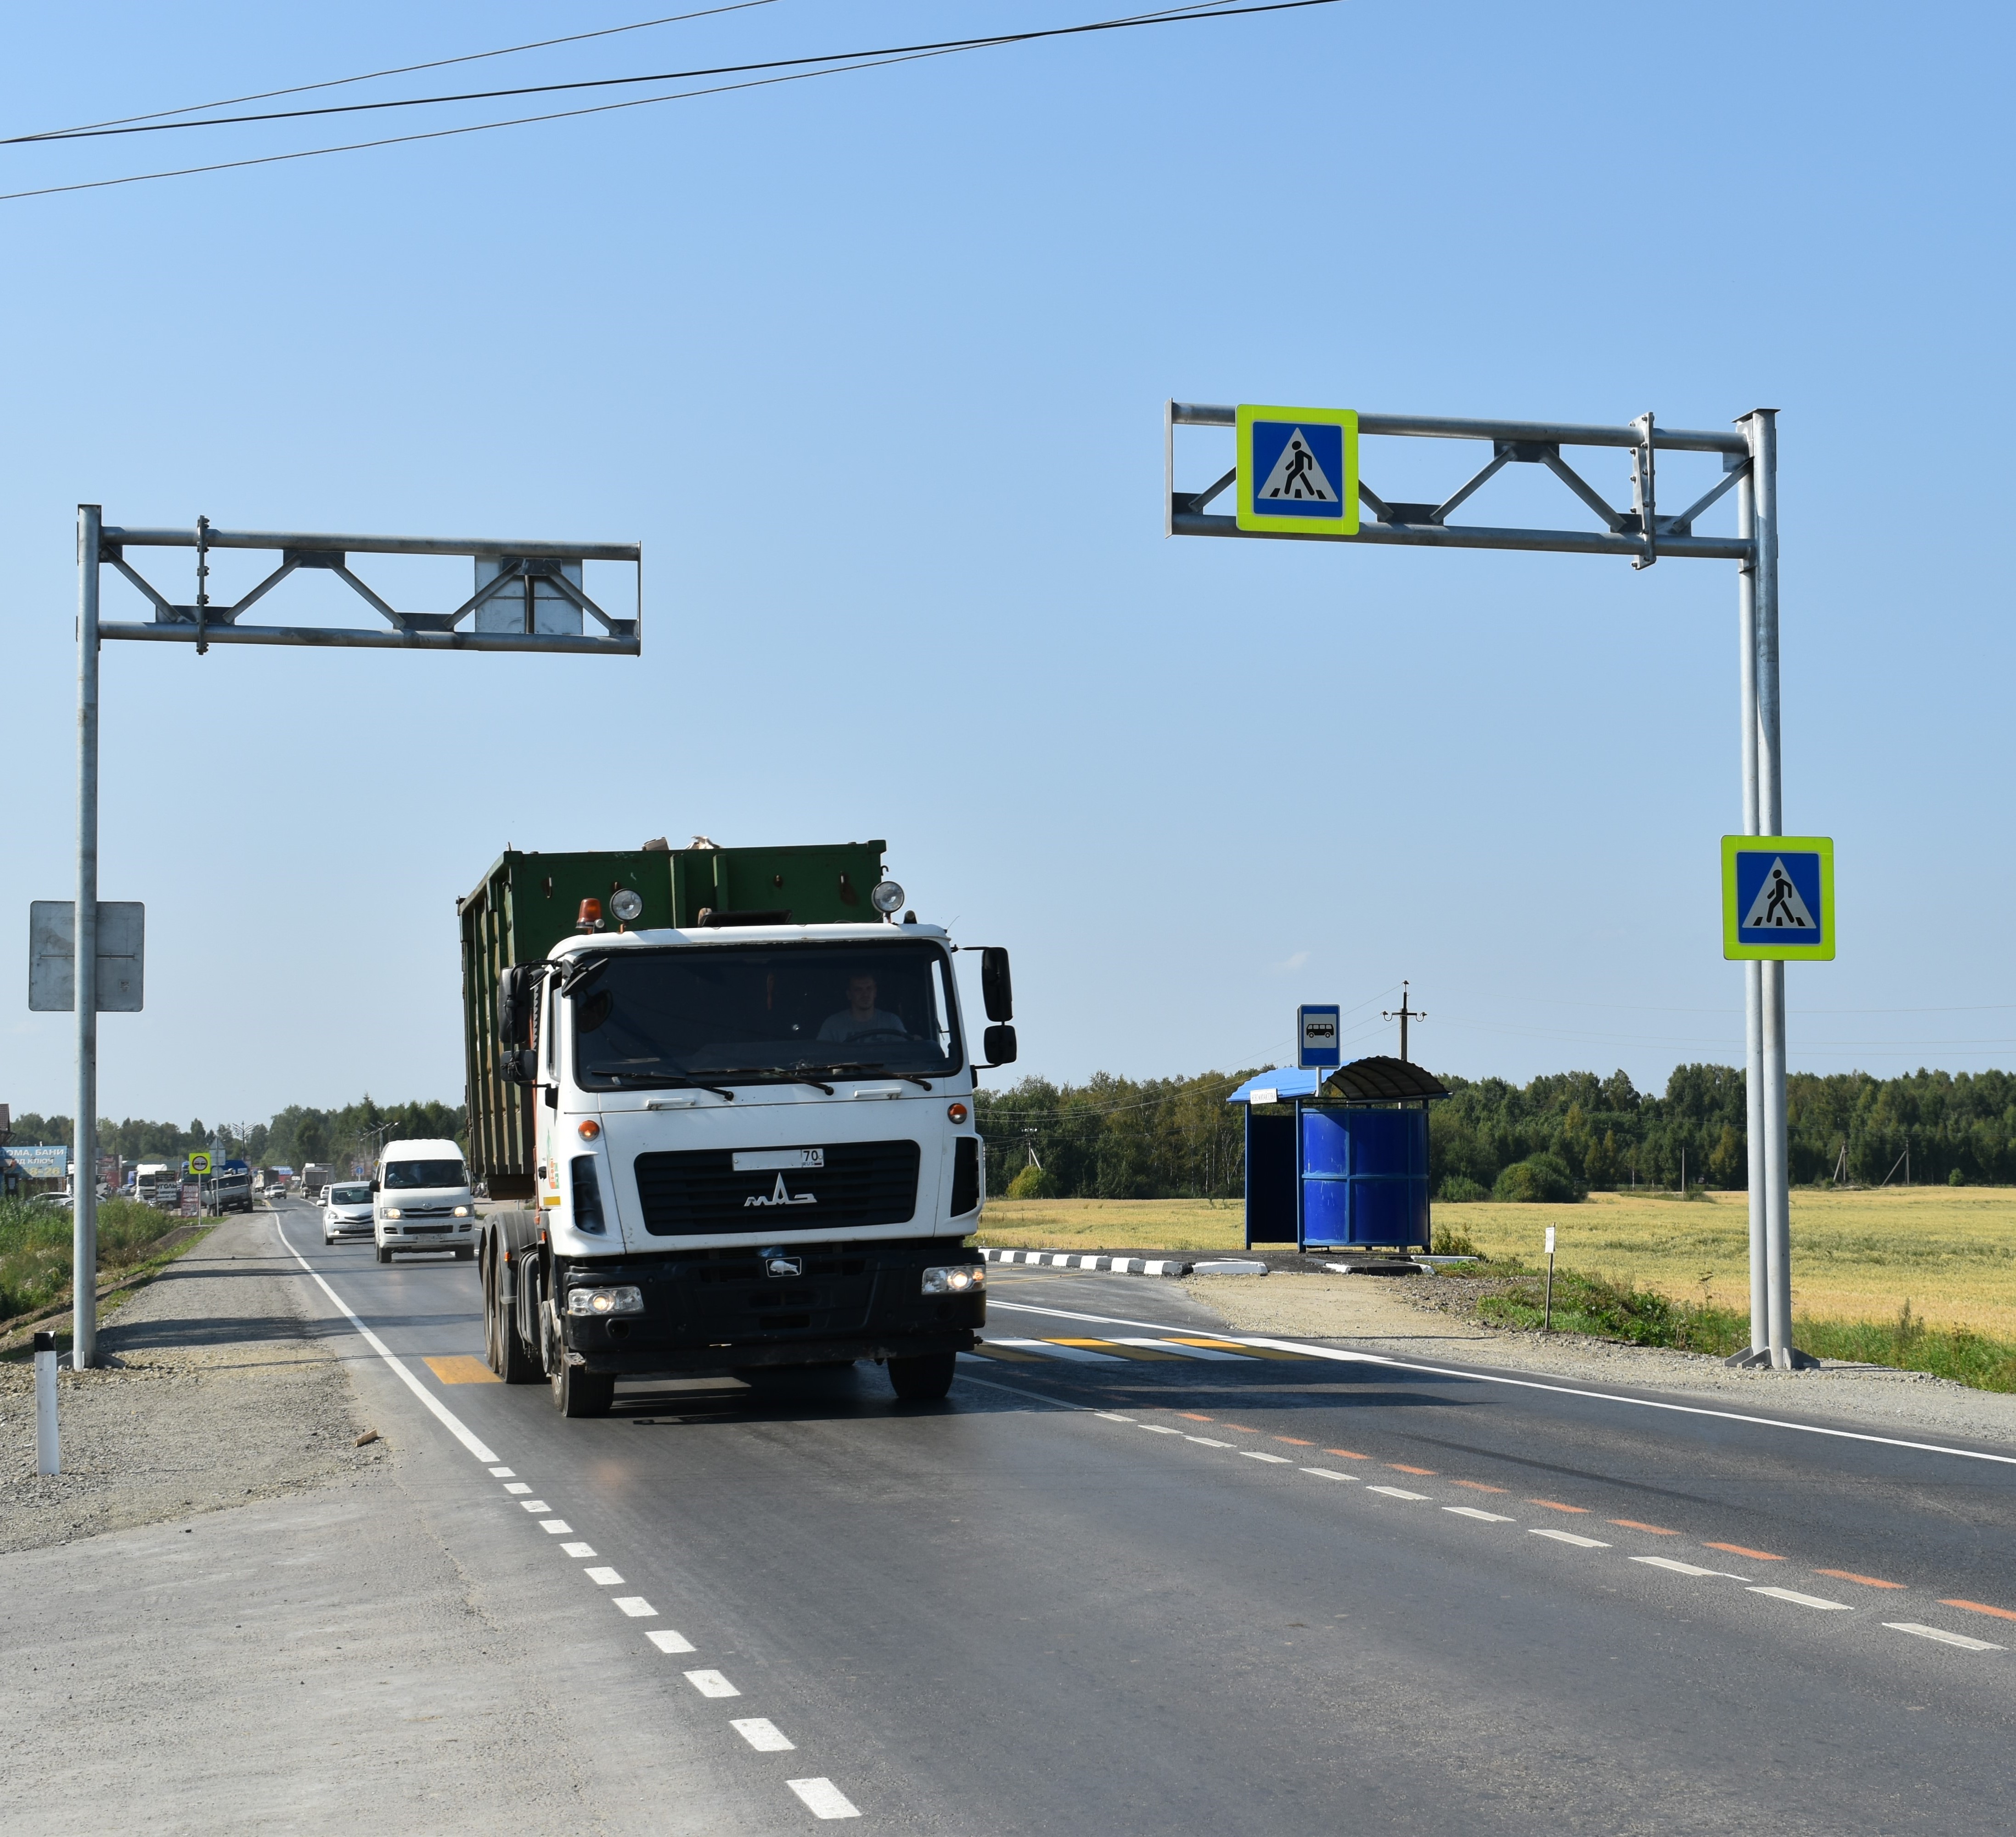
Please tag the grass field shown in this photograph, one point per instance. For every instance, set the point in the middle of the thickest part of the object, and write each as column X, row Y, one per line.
column 1950, row 1252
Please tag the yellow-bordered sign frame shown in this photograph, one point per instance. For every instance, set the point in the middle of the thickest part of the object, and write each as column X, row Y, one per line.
column 1817, row 884
column 1311, row 519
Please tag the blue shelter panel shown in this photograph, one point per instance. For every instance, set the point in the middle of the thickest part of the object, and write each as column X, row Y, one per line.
column 1364, row 1176
column 1270, row 1178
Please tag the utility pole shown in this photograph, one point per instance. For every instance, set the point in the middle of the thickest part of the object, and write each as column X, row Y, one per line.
column 1403, row 1014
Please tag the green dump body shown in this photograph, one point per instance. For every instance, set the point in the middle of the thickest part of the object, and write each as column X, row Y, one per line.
column 529, row 901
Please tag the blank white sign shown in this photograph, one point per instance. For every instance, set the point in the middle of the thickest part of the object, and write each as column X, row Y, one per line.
column 122, row 937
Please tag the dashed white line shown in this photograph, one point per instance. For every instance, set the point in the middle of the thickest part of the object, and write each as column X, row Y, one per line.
column 535, row 1505
column 667, row 1640
column 1803, row 1601
column 1107, row 1416
column 762, row 1734
column 1205, row 1441
column 635, row 1606
column 1158, row 1429
column 502, row 1473
column 712, row 1684
column 1396, row 1491
column 1283, row 1460
column 1471, row 1511
column 517, row 1486
column 823, row 1799
column 1944, row 1637
column 578, row 1550
column 1324, row 1473
column 1681, row 1569
column 603, row 1578
column 1569, row 1537
column 556, row 1527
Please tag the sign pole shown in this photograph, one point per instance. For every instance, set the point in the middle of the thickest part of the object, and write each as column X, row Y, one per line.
column 1753, row 981
column 84, row 958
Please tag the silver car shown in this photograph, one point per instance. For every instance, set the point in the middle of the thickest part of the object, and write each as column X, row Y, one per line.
column 346, row 1211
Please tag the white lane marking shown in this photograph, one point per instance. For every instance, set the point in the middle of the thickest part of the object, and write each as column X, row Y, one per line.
column 1182, row 1351
column 761, row 1733
column 502, row 1473
column 1804, row 1600
column 1323, row 1473
column 1396, row 1491
column 635, row 1606
column 712, row 1684
column 1256, row 1454
column 1205, row 1441
column 1107, row 1416
column 578, row 1550
column 1158, row 1429
column 667, row 1640
column 603, row 1578
column 1681, row 1569
column 516, row 1487
column 823, row 1799
column 535, row 1505
column 1049, row 1348
column 1945, row 1638
column 1471, row 1511
column 446, row 1416
column 1569, row 1537
column 1311, row 1349
column 556, row 1527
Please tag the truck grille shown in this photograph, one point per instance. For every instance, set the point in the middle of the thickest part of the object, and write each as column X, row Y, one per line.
column 699, row 1191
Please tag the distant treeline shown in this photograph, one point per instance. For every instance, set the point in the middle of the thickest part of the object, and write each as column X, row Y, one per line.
column 338, row 1138
column 1556, row 1138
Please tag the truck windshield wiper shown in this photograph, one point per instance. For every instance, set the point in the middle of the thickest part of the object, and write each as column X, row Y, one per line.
column 854, row 1068
column 782, row 1074
column 669, row 1079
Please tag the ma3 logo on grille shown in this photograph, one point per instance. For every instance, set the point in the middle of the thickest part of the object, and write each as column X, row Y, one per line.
column 780, row 1195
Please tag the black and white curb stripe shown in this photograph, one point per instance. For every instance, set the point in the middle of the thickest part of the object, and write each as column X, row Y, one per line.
column 1115, row 1266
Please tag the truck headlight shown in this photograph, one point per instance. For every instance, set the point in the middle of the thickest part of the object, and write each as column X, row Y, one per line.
column 462, row 1212
column 392, row 1211
column 955, row 1279
column 606, row 1301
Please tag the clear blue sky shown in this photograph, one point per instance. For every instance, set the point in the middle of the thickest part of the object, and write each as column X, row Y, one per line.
column 874, row 366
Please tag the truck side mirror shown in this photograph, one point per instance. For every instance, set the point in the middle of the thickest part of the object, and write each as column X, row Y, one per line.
column 519, row 1066
column 996, row 988
column 515, row 991
column 1000, row 1044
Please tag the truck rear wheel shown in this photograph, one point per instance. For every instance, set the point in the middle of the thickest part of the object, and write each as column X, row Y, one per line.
column 579, row 1391
column 503, row 1351
column 924, row 1379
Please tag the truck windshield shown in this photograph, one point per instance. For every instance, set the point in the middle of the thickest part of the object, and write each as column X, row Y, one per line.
column 424, row 1173
column 766, row 1012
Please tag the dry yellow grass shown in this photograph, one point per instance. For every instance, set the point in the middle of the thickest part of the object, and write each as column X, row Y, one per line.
column 1951, row 1251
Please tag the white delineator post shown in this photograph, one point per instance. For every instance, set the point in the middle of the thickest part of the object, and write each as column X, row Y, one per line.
column 49, row 1452
column 84, row 946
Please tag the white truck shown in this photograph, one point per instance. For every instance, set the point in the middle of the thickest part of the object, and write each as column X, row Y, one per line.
column 751, row 1134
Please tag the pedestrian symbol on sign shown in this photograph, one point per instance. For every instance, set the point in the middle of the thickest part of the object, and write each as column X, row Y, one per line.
column 1778, row 906
column 1297, row 474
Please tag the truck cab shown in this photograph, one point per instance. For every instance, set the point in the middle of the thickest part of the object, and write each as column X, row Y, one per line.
column 755, row 1149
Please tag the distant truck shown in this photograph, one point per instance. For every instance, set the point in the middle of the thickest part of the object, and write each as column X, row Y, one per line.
column 315, row 1176
column 727, row 1099
column 228, row 1189
column 155, row 1183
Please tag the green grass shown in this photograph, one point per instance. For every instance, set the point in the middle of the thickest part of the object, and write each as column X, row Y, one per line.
column 35, row 1247
column 1605, row 1309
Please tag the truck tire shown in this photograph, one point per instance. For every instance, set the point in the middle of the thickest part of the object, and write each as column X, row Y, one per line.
column 579, row 1391
column 924, row 1379
column 503, row 1350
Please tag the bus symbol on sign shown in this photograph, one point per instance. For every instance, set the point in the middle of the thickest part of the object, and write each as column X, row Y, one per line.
column 1317, row 1029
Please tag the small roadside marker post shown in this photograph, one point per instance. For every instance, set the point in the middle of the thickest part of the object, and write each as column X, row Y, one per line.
column 1547, row 1310
column 49, row 1452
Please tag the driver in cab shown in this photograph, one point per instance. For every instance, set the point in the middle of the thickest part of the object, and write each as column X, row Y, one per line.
column 861, row 1019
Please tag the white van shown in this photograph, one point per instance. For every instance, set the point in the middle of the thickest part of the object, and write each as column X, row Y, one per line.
column 421, row 1200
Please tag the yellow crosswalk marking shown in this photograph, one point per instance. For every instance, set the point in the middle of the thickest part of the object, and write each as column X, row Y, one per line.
column 1114, row 1348
column 461, row 1369
column 1233, row 1346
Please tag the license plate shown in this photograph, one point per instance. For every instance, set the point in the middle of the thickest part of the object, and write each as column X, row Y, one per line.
column 780, row 1160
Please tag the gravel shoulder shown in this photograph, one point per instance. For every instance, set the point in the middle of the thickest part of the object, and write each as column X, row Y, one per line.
column 1400, row 1317
column 215, row 1391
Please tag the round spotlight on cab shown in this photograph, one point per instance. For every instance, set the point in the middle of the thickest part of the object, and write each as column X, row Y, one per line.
column 887, row 897
column 626, row 902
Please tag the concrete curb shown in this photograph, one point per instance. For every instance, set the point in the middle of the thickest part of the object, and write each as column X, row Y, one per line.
column 1115, row 1265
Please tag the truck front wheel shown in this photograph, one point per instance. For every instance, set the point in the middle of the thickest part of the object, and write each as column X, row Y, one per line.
column 579, row 1391
column 924, row 1379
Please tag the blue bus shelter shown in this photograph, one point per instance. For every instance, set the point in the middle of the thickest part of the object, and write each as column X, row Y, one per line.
column 1339, row 1161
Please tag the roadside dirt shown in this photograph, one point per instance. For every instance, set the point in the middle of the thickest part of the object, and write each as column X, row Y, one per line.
column 215, row 1392
column 1410, row 1318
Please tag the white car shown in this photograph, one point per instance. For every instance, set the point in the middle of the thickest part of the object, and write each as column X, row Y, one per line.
column 346, row 1211
column 422, row 1199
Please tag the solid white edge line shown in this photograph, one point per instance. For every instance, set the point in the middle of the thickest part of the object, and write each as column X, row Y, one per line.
column 1528, row 1384
column 823, row 1799
column 448, row 1419
column 1944, row 1637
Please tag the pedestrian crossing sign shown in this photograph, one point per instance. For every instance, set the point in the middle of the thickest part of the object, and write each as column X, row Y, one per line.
column 1777, row 897
column 1298, row 471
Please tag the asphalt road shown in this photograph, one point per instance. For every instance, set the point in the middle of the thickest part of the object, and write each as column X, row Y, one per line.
column 1236, row 1586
